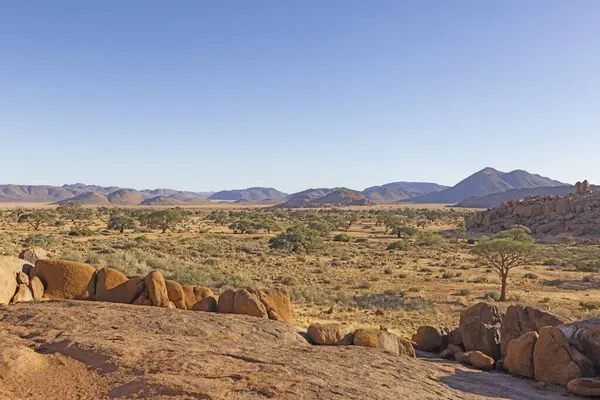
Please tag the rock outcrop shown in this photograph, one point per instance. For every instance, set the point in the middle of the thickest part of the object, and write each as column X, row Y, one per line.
column 331, row 334
column 519, row 357
column 428, row 338
column 520, row 319
column 33, row 254
column 66, row 280
column 480, row 329
column 577, row 214
column 9, row 267
column 377, row 338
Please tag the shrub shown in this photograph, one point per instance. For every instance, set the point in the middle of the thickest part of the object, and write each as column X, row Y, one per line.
column 298, row 239
column 589, row 306
column 399, row 245
column 429, row 239
column 464, row 292
column 388, row 271
column 341, row 237
column 531, row 275
column 492, row 295
column 39, row 240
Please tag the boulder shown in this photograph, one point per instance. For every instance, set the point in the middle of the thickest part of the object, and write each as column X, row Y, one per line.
column 125, row 293
column 247, row 303
column 66, row 280
column 480, row 329
column 554, row 360
column 193, row 294
column 176, row 294
column 585, row 337
column 278, row 304
column 455, row 337
column 480, row 360
column 9, row 267
column 107, row 279
column 37, row 288
column 377, row 338
column 157, row 289
column 22, row 278
column 23, row 294
column 519, row 357
column 207, row 304
column 144, row 298
column 330, row 334
column 406, row 348
column 33, row 254
column 585, row 387
column 225, row 304
column 520, row 319
column 428, row 338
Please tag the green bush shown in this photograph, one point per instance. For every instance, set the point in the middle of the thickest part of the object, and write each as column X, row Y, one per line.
column 492, row 295
column 342, row 237
column 298, row 239
column 39, row 240
column 399, row 245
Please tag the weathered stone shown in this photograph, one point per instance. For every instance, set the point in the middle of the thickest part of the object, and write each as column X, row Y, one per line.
column 37, row 288
column 225, row 304
column 247, row 303
column 428, row 338
column 9, row 267
column 455, row 337
column 107, row 279
column 552, row 358
column 330, row 334
column 143, row 299
column 22, row 278
column 176, row 295
column 66, row 280
column 406, row 348
column 480, row 360
column 207, row 304
column 377, row 338
column 585, row 337
column 519, row 358
column 520, row 319
column 585, row 387
column 23, row 294
column 480, row 329
column 157, row 289
column 278, row 304
column 33, row 254
column 126, row 292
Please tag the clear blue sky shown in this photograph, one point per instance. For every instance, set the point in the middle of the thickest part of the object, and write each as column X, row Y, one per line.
column 208, row 95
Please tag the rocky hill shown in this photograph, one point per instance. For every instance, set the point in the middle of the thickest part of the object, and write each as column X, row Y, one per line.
column 485, row 182
column 494, row 200
column 88, row 198
column 396, row 191
column 326, row 197
column 577, row 214
column 250, row 194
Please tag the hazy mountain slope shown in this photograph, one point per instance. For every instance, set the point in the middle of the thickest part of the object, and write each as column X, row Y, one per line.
column 35, row 193
column 89, row 198
column 83, row 188
column 322, row 197
column 126, row 197
column 396, row 191
column 487, row 181
column 251, row 194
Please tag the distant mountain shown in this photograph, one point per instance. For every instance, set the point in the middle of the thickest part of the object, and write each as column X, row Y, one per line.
column 89, row 198
column 396, row 191
column 172, row 201
column 485, row 182
column 494, row 200
column 325, row 197
column 76, row 192
column 250, row 194
column 126, row 197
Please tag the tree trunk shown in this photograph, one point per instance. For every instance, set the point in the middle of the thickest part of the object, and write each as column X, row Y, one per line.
column 503, row 290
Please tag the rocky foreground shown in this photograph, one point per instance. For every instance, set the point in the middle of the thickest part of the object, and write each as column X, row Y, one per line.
column 96, row 350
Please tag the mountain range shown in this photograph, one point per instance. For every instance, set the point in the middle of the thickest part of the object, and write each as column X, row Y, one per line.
column 487, row 186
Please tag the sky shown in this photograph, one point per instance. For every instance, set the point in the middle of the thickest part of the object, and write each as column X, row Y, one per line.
column 209, row 95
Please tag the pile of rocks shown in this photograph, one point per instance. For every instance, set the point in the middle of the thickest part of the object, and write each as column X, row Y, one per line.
column 577, row 214
column 34, row 277
column 525, row 341
column 342, row 335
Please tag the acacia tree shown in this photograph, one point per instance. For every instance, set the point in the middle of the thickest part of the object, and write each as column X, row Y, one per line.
column 505, row 251
column 37, row 219
column 75, row 213
column 120, row 222
column 164, row 219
